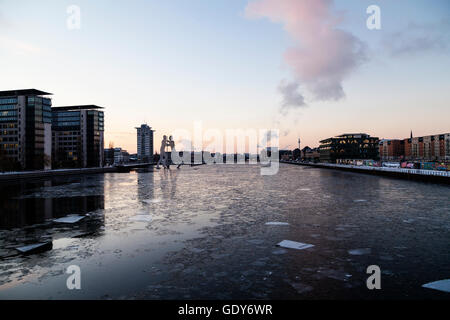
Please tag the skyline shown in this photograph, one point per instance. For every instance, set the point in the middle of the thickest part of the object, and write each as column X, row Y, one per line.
column 228, row 70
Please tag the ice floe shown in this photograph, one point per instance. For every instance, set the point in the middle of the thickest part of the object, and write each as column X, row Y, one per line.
column 441, row 285
column 360, row 252
column 152, row 201
column 69, row 219
column 294, row 245
column 35, row 248
column 301, row 287
column 275, row 223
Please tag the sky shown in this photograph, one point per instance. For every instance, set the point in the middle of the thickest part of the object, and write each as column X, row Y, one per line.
column 309, row 68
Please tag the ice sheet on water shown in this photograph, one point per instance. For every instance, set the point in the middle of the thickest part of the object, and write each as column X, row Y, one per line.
column 360, row 252
column 301, row 287
column 69, row 219
column 441, row 285
column 34, row 248
column 294, row 245
column 142, row 218
column 276, row 223
column 151, row 201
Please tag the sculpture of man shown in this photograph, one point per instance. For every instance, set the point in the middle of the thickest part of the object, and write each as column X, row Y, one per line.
column 162, row 153
column 172, row 149
column 171, row 144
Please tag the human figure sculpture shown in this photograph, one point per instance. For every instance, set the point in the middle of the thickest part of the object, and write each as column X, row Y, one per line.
column 162, row 153
column 172, row 149
column 171, row 144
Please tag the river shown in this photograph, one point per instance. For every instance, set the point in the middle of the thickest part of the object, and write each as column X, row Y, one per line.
column 201, row 233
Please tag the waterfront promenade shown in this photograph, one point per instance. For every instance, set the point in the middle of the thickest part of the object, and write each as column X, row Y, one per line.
column 38, row 174
column 412, row 174
column 19, row 175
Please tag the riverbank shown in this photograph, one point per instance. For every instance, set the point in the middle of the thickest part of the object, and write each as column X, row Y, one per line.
column 410, row 174
column 12, row 176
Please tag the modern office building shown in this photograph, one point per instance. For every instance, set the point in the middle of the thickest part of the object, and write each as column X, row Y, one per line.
column 145, row 143
column 78, row 136
column 25, row 130
column 348, row 146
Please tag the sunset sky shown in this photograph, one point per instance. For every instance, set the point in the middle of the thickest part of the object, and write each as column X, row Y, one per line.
column 310, row 68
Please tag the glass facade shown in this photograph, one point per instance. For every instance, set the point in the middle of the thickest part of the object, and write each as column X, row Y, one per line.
column 9, row 134
column 94, row 126
column 77, row 136
column 66, row 120
column 38, row 112
column 349, row 146
column 22, row 129
column 8, row 101
column 8, row 110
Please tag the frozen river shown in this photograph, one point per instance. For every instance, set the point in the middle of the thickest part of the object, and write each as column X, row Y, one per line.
column 201, row 233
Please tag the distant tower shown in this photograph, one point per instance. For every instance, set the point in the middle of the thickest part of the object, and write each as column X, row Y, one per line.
column 411, row 134
column 299, row 142
column 145, row 143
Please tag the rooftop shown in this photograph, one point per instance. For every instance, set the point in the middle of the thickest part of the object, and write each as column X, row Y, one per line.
column 73, row 108
column 24, row 92
column 352, row 134
column 145, row 126
column 345, row 135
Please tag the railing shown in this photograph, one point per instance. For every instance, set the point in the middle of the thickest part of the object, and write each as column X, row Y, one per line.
column 385, row 169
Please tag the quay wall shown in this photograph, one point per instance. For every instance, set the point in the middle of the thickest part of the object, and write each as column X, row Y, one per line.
column 410, row 174
column 52, row 173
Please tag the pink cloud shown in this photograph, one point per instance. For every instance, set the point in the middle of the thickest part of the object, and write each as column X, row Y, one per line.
column 323, row 55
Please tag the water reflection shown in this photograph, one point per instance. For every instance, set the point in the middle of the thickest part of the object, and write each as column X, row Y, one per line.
column 28, row 203
column 168, row 183
column 145, row 185
column 29, row 208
